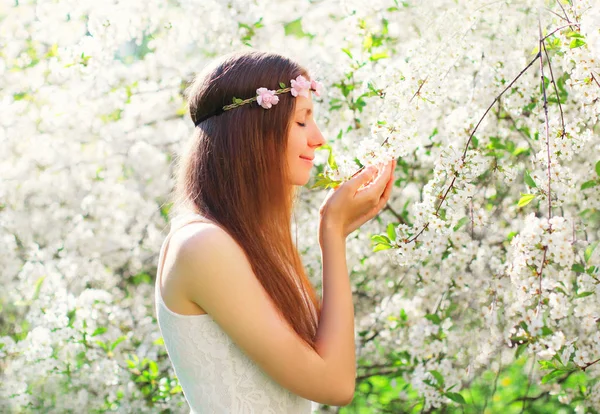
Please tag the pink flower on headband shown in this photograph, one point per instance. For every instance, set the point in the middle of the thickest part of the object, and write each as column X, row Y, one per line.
column 317, row 87
column 266, row 98
column 300, row 86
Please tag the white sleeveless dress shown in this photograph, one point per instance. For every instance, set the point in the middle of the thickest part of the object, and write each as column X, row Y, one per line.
column 216, row 376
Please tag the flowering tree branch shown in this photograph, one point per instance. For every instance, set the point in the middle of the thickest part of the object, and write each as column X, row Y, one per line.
column 538, row 55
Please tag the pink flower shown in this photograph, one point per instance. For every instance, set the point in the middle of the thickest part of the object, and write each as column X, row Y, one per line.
column 266, row 98
column 317, row 87
column 300, row 86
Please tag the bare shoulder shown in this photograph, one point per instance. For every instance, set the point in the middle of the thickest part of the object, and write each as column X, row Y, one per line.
column 203, row 243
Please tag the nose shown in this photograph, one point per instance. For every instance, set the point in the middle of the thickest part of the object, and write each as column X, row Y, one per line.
column 316, row 139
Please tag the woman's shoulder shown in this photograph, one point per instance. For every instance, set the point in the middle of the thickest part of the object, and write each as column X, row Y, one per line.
column 198, row 238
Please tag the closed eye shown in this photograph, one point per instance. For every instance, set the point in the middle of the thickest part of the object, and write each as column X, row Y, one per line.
column 301, row 124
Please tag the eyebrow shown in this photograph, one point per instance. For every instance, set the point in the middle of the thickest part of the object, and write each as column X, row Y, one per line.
column 309, row 111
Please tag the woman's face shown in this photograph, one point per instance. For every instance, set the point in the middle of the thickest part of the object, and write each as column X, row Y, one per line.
column 303, row 140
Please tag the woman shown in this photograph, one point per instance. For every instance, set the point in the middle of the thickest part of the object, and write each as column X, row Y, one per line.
column 241, row 322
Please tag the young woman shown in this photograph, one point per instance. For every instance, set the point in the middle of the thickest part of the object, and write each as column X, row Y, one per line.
column 241, row 322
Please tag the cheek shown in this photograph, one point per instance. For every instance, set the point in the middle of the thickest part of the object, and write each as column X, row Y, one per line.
column 296, row 145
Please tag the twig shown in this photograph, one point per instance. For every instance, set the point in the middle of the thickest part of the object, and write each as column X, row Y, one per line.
column 560, row 28
column 472, row 221
column 494, row 389
column 395, row 214
column 418, row 90
column 528, row 384
column 539, row 275
column 589, row 364
column 562, row 116
column 558, row 15
column 562, row 8
column 547, row 127
column 594, row 78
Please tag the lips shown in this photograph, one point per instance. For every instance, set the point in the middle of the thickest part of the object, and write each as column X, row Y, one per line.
column 307, row 158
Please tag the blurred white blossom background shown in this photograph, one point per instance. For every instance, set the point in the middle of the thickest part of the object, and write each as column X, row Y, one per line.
column 485, row 254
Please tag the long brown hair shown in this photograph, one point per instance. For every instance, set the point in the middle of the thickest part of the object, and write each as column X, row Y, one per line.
column 234, row 172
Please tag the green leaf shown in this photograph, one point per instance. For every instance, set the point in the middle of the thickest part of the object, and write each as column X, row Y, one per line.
column 282, row 85
column 456, row 397
column 331, row 159
column 525, row 199
column 325, row 182
column 377, row 56
column 460, row 223
column 520, row 150
column 438, row 377
column 140, row 278
column 38, row 287
column 529, row 181
column 433, row 318
column 153, row 368
column 511, row 235
column 391, row 232
column 577, row 268
column 552, row 376
column 572, row 34
column 117, row 342
column 381, row 247
column 495, row 143
column 589, row 184
column 589, row 251
column 380, row 239
column 598, row 168
column 100, row 331
column 576, row 42
column 547, row 364
column 403, row 315
column 583, row 294
column 546, row 331
column 520, row 349
column 294, row 28
column 561, row 290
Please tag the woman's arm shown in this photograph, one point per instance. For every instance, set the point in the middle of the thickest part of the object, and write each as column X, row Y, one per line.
column 335, row 334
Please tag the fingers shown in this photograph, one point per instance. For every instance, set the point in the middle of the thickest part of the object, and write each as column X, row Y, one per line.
column 363, row 177
column 379, row 184
column 387, row 192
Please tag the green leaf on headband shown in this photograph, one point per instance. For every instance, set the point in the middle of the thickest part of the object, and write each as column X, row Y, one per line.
column 237, row 100
column 282, row 85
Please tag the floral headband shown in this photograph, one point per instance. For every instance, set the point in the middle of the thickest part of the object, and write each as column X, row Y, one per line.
column 267, row 98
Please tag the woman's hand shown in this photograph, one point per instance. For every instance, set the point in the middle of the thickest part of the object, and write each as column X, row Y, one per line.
column 348, row 206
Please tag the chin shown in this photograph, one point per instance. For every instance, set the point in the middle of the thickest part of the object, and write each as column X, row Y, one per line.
column 300, row 179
